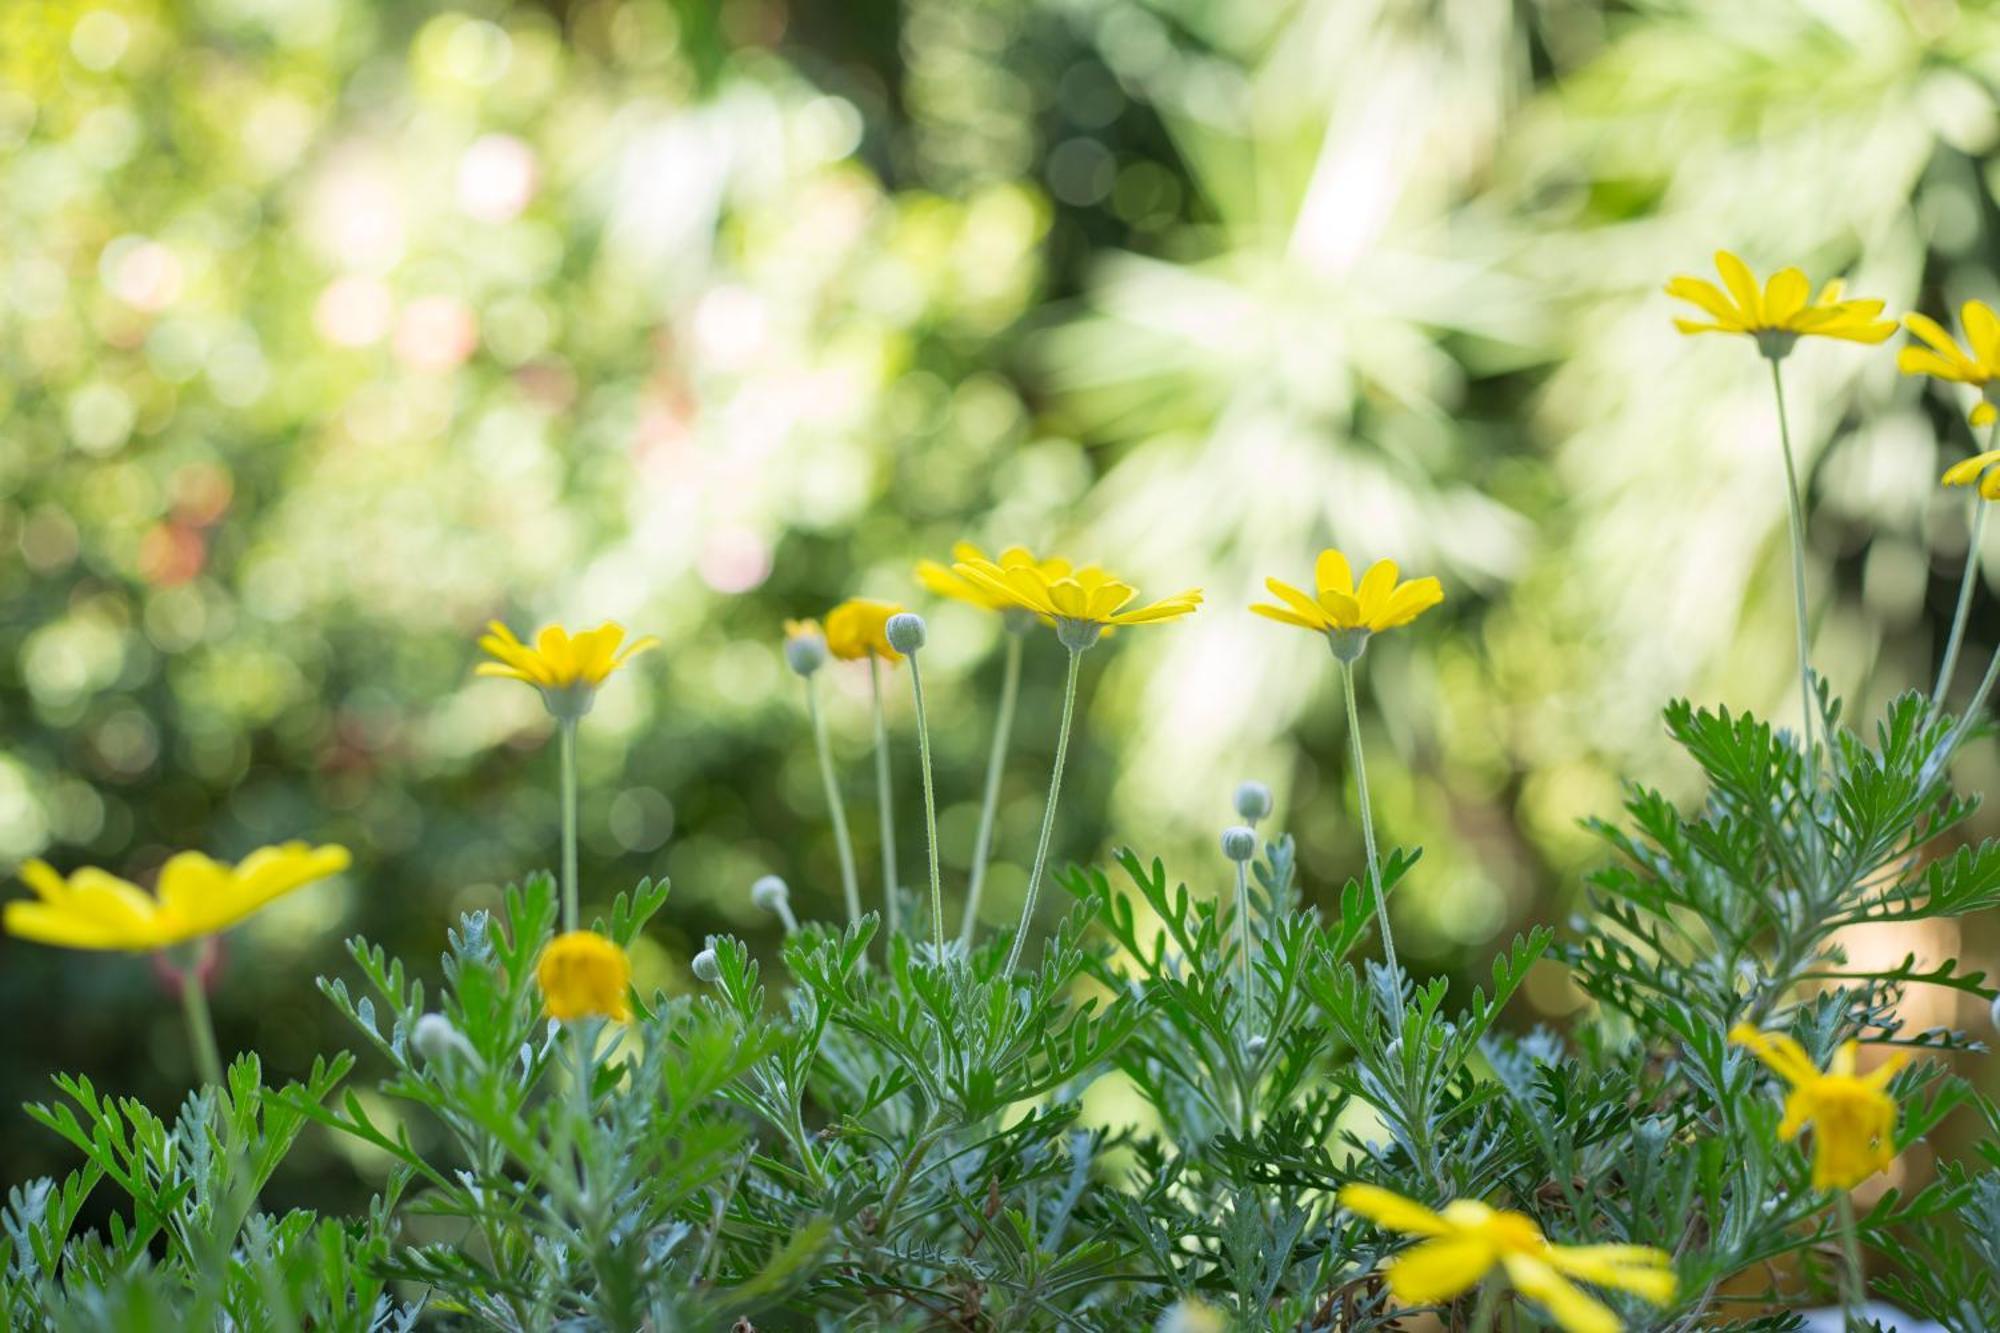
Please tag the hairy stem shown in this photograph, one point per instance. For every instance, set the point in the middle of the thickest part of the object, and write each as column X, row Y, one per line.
column 201, row 1027
column 996, row 763
column 566, row 730
column 930, row 807
column 1048, row 812
column 883, row 799
column 1853, row 1272
column 1243, row 976
column 850, row 881
column 1966, row 582
column 1796, row 510
column 1368, row 843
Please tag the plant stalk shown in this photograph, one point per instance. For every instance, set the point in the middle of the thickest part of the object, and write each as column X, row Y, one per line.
column 1796, row 510
column 1967, row 580
column 996, row 763
column 201, row 1026
column 883, row 791
column 1368, row 844
column 566, row 730
column 850, row 881
column 1853, row 1272
column 1048, row 812
column 930, row 808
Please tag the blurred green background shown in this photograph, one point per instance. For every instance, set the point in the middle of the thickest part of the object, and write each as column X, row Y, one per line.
column 330, row 329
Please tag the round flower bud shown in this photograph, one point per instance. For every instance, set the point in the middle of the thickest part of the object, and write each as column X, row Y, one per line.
column 1996, row 1011
column 706, row 968
column 1239, row 843
column 805, row 646
column 1253, row 800
column 770, row 893
column 584, row 975
column 906, row 632
column 436, row 1039
column 1256, row 1046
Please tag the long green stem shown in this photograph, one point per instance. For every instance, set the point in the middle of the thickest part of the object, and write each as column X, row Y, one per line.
column 1243, row 936
column 883, row 799
column 996, row 764
column 566, row 729
column 1854, row 1273
column 850, row 881
column 201, row 1027
column 1966, row 582
column 1048, row 812
column 930, row 807
column 1487, row 1307
column 1368, row 844
column 1798, row 529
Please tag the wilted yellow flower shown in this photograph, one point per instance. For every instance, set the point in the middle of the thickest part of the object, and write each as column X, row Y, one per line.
column 566, row 668
column 584, row 975
column 93, row 909
column 857, row 629
column 1782, row 313
column 1468, row 1240
column 1979, row 468
column 942, row 580
column 1852, row 1115
column 1082, row 603
column 1944, row 359
column 1379, row 603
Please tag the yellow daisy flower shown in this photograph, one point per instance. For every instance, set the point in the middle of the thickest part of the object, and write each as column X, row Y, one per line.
column 197, row 897
column 584, row 975
column 1944, row 359
column 1852, row 1115
column 566, row 668
column 1082, row 603
column 858, row 629
column 1781, row 313
column 941, row 580
column 1348, row 613
column 1468, row 1240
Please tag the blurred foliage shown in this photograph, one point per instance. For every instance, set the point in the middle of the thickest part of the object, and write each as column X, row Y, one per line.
column 330, row 329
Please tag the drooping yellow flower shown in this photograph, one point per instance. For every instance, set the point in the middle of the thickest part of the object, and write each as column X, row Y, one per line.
column 942, row 580
column 566, row 668
column 1979, row 468
column 93, row 909
column 1781, row 313
column 1082, row 603
column 858, row 629
column 1944, row 359
column 1852, row 1115
column 1378, row 603
column 584, row 975
column 1468, row 1240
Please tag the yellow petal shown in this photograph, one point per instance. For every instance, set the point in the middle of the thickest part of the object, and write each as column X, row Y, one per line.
column 1982, row 331
column 1573, row 1311
column 1934, row 333
column 1778, row 1050
column 1742, row 285
column 1386, row 1208
column 1331, row 573
column 1923, row 361
column 1410, row 601
column 1785, row 296
column 1983, row 414
column 1376, row 585
column 1304, row 606
column 1440, row 1269
column 1699, row 291
column 1646, row 1272
column 1285, row 616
